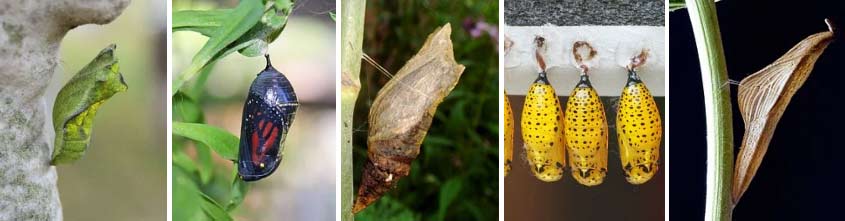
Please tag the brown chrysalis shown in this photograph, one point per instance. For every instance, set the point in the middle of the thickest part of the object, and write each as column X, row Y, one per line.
column 402, row 112
column 763, row 97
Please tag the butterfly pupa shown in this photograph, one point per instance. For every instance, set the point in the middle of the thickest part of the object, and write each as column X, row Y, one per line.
column 267, row 116
column 508, row 120
column 763, row 98
column 402, row 113
column 586, row 125
column 542, row 124
column 638, row 127
column 78, row 101
column 508, row 134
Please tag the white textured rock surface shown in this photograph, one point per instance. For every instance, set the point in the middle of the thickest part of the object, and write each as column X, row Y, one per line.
column 30, row 34
column 614, row 44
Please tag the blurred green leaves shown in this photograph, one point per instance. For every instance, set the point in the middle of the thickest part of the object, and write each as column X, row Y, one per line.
column 448, row 192
column 248, row 28
column 232, row 24
column 221, row 141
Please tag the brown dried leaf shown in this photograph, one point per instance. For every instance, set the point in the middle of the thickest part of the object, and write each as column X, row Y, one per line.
column 402, row 112
column 763, row 97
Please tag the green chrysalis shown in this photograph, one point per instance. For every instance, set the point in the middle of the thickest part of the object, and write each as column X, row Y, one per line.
column 78, row 101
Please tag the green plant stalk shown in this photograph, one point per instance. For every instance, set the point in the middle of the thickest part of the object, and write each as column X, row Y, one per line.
column 351, row 38
column 717, row 105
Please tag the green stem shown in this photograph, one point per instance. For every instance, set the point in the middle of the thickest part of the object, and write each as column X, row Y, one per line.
column 717, row 105
column 352, row 37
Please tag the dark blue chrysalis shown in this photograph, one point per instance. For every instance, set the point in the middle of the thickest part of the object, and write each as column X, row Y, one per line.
column 268, row 113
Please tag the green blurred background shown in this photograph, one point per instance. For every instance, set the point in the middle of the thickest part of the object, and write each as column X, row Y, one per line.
column 123, row 174
column 455, row 175
column 304, row 185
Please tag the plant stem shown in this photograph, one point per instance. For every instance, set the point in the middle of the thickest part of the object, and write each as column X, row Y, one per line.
column 717, row 105
column 352, row 37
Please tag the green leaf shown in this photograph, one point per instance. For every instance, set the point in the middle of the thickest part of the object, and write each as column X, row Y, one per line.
column 238, row 22
column 182, row 160
column 193, row 204
column 448, row 192
column 186, row 194
column 221, row 141
column 212, row 209
column 205, row 164
column 272, row 23
column 387, row 208
column 247, row 29
column 186, row 109
column 239, row 190
column 333, row 15
column 203, row 21
column 77, row 104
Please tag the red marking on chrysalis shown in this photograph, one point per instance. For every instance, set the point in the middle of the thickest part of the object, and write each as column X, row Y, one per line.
column 255, row 155
column 271, row 138
column 267, row 129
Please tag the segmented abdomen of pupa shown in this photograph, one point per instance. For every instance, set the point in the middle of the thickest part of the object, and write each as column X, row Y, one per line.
column 542, row 123
column 639, row 131
column 586, row 134
column 401, row 115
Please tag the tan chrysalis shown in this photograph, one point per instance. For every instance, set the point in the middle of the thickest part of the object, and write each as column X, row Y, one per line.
column 402, row 112
column 763, row 97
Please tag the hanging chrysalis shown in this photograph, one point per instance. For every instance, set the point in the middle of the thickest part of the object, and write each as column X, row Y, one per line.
column 268, row 113
column 508, row 134
column 586, row 125
column 763, row 98
column 78, row 102
column 402, row 112
column 541, row 124
column 508, row 121
column 638, row 127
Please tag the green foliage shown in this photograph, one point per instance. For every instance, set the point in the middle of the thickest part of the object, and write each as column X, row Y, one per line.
column 78, row 102
column 221, row 141
column 199, row 185
column 248, row 29
column 455, row 175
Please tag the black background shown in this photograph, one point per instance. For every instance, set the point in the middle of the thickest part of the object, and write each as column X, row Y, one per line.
column 800, row 177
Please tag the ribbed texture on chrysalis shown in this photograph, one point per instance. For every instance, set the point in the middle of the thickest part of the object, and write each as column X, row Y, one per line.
column 401, row 115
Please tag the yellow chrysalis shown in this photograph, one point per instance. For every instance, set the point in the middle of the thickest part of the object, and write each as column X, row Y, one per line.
column 586, row 134
column 541, row 126
column 508, row 135
column 639, row 130
column 586, row 125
